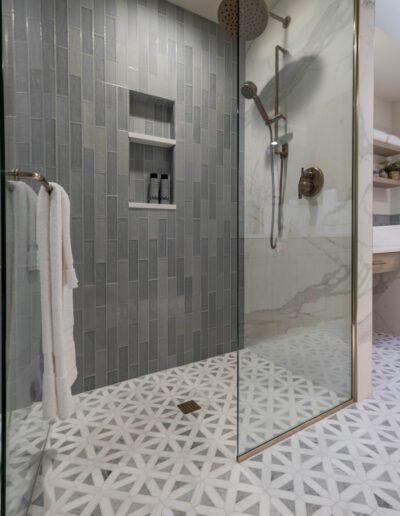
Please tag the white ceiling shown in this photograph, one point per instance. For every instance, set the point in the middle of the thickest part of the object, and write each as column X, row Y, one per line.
column 387, row 69
column 206, row 8
column 387, row 16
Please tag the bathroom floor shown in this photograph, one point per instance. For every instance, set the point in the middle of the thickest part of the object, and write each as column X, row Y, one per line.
column 130, row 451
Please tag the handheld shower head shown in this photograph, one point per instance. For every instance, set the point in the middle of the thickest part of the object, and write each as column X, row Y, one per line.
column 249, row 90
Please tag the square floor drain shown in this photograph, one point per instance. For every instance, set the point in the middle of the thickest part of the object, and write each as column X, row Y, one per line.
column 188, row 407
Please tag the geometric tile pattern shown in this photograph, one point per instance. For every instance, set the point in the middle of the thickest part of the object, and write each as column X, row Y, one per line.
column 305, row 352
column 130, row 451
column 26, row 435
column 273, row 399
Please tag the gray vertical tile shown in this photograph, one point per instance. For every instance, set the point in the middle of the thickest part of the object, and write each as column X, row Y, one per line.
column 156, row 288
column 61, row 16
column 89, row 354
column 111, row 40
column 75, row 99
column 99, row 13
column 153, row 258
column 87, row 31
column 100, row 103
column 62, row 70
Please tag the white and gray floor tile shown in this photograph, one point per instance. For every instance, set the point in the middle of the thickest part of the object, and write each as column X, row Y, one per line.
column 130, row 451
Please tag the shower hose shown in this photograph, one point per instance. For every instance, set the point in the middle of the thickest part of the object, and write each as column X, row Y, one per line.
column 274, row 239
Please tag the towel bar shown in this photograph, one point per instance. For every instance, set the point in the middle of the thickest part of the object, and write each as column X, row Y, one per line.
column 19, row 175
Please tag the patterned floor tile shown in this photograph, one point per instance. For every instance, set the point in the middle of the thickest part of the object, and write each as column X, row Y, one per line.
column 130, row 451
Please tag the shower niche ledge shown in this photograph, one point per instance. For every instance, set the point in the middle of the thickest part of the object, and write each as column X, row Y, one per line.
column 147, row 139
column 151, row 135
column 151, row 206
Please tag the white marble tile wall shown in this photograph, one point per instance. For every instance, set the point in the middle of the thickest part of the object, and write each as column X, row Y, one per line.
column 307, row 280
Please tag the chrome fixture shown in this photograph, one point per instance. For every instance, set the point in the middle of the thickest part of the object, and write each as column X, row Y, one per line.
column 19, row 175
column 311, row 182
column 249, row 91
column 247, row 18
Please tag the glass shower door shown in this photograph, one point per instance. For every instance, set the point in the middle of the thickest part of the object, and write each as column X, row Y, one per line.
column 25, row 429
column 296, row 110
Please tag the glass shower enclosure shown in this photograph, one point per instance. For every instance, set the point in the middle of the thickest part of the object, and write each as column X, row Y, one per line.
column 296, row 100
column 261, row 223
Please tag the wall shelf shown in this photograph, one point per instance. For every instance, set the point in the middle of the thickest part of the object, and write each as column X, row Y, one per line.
column 155, row 141
column 150, row 206
column 385, row 149
column 385, row 182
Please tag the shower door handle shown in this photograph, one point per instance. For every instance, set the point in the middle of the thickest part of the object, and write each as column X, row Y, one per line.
column 311, row 182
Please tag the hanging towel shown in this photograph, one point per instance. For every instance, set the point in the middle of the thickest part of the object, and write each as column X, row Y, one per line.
column 57, row 280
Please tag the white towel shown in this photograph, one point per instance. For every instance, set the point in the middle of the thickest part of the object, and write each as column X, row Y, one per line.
column 394, row 140
column 57, row 279
column 380, row 136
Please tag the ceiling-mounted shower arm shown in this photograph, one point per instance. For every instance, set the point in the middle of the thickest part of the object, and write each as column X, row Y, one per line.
column 285, row 21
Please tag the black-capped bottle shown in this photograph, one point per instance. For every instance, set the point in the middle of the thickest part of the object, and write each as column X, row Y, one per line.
column 154, row 189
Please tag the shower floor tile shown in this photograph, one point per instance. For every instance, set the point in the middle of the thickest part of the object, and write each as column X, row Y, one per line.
column 130, row 451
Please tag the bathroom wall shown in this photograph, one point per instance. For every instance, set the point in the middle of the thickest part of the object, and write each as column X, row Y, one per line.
column 386, row 201
column 383, row 115
column 386, row 287
column 306, row 283
column 386, row 302
column 155, row 289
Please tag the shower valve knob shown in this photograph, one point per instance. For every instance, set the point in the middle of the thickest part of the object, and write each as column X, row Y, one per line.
column 311, row 182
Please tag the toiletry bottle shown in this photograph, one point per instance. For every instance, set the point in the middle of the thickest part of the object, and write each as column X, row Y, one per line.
column 165, row 190
column 154, row 189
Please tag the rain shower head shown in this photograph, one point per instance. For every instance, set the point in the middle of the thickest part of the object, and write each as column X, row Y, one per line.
column 246, row 18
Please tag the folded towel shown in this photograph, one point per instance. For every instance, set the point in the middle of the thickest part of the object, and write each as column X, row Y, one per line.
column 380, row 136
column 394, row 140
column 58, row 278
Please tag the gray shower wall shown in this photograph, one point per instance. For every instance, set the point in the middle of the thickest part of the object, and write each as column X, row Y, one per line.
column 156, row 289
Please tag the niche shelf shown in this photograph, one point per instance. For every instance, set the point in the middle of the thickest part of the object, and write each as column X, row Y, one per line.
column 151, row 147
column 147, row 139
column 151, row 206
column 385, row 182
column 385, row 149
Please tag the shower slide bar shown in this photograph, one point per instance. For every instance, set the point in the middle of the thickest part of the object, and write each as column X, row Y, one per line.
column 20, row 175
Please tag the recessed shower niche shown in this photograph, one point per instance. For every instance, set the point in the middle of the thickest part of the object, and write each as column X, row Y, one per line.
column 151, row 149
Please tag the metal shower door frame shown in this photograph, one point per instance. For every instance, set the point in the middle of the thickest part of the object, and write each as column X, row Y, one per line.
column 354, row 259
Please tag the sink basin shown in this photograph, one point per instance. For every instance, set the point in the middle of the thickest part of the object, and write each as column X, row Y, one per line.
column 386, row 239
